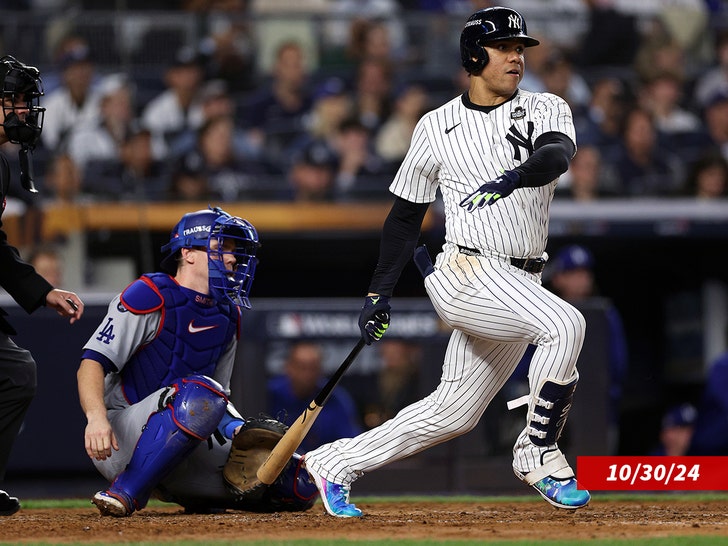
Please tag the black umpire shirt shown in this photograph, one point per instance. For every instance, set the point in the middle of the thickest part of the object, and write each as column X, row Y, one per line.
column 17, row 277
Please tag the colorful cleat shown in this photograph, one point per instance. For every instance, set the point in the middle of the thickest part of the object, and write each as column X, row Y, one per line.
column 335, row 497
column 113, row 504
column 562, row 493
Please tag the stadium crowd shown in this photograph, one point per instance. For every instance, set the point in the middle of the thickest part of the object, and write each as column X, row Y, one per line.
column 650, row 104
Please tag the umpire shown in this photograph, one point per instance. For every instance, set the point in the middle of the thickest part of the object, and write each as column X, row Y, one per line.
column 21, row 123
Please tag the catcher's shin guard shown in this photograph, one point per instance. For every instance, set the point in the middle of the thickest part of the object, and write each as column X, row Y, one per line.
column 188, row 417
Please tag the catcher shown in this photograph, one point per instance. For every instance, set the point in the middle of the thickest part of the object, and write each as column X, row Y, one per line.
column 154, row 382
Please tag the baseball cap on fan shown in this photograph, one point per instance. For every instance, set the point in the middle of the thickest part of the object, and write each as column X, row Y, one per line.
column 331, row 87
column 683, row 415
column 186, row 57
column 717, row 98
column 75, row 55
column 316, row 154
column 572, row 257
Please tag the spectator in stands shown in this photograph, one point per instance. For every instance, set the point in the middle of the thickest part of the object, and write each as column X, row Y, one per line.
column 292, row 392
column 67, row 41
column 229, row 46
column 72, row 104
column 215, row 101
column 411, row 101
column 588, row 177
column 63, row 180
column 342, row 28
column 332, row 104
column 714, row 79
column 600, row 123
column 369, row 38
column 360, row 172
column 135, row 175
column 102, row 139
column 228, row 173
column 559, row 77
column 715, row 117
column 177, row 108
column 274, row 115
column 676, row 431
column 661, row 94
column 708, row 177
column 659, row 52
column 398, row 381
column 372, row 92
column 643, row 163
column 551, row 69
column 46, row 259
column 312, row 173
column 190, row 184
column 710, row 435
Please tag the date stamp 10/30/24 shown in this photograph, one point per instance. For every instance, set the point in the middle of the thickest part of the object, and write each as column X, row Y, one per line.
column 652, row 473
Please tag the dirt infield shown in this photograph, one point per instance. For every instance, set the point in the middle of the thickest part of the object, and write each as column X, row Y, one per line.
column 415, row 520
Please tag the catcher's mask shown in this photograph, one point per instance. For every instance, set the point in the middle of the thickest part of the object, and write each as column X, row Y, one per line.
column 486, row 26
column 219, row 234
column 23, row 115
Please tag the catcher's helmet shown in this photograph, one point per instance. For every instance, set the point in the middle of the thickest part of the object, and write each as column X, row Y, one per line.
column 490, row 25
column 197, row 230
column 21, row 89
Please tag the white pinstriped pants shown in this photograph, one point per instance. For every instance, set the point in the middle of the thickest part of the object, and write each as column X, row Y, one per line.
column 496, row 310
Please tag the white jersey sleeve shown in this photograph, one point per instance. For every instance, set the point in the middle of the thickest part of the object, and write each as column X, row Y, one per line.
column 460, row 146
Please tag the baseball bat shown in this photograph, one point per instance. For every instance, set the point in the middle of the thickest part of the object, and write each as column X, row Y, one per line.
column 286, row 446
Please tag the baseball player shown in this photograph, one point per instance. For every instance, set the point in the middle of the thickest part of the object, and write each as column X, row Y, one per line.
column 21, row 123
column 495, row 153
column 155, row 376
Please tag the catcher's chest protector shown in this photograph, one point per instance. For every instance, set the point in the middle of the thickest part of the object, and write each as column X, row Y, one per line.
column 192, row 336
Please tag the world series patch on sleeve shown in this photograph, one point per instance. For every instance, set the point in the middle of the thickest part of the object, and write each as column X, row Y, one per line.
column 653, row 473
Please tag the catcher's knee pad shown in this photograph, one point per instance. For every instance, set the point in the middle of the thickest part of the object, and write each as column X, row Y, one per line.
column 198, row 405
column 548, row 409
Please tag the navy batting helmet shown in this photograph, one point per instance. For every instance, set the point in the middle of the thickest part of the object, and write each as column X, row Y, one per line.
column 198, row 230
column 490, row 25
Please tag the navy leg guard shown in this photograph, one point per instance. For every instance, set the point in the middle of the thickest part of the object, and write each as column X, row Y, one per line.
column 548, row 412
column 189, row 416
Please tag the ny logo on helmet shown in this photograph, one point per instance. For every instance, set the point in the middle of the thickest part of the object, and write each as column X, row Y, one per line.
column 514, row 21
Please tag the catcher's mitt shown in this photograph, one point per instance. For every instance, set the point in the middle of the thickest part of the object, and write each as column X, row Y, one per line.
column 251, row 447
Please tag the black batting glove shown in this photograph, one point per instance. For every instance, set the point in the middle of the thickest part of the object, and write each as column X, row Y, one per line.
column 490, row 192
column 374, row 318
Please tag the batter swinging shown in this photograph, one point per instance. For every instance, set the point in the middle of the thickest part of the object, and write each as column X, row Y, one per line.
column 496, row 154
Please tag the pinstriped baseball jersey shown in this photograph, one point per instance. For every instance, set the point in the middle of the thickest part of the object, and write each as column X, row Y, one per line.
column 494, row 308
column 459, row 147
column 484, row 290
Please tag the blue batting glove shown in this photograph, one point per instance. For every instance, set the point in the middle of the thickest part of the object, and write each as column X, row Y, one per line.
column 374, row 318
column 490, row 192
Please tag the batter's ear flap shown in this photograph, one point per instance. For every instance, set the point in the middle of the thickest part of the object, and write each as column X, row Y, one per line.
column 479, row 59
